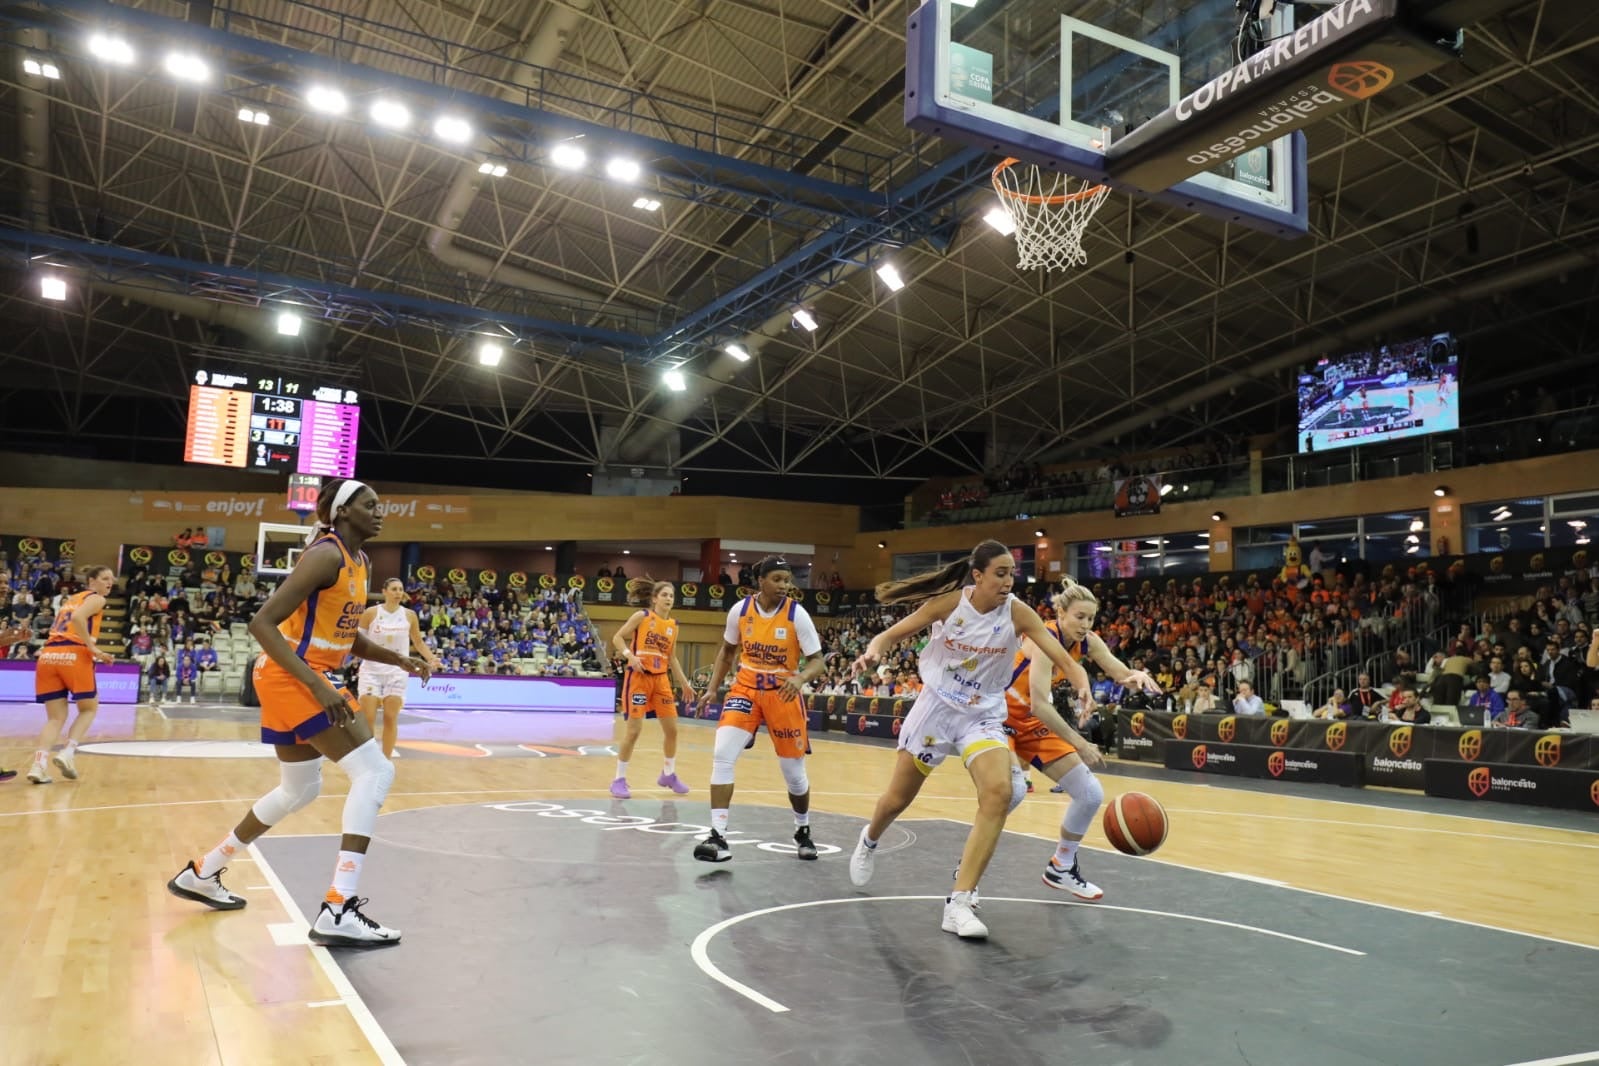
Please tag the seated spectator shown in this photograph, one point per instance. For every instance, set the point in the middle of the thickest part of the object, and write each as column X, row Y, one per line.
column 1517, row 714
column 184, row 539
column 1410, row 709
column 1337, row 706
column 1246, row 702
column 1365, row 701
column 160, row 673
column 1497, row 677
column 1490, row 702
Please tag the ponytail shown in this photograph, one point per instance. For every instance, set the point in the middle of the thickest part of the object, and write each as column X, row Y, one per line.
column 1071, row 592
column 641, row 590
column 937, row 582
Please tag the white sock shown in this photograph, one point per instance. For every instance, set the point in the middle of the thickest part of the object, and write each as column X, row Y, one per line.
column 1066, row 854
column 719, row 820
column 668, row 766
column 802, row 819
column 346, row 876
column 868, row 841
column 218, row 856
column 621, row 768
column 72, row 746
column 961, row 897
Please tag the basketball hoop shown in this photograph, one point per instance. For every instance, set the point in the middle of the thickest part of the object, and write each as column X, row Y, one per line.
column 1050, row 211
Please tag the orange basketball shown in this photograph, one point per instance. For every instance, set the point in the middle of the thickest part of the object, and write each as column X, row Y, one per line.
column 1136, row 824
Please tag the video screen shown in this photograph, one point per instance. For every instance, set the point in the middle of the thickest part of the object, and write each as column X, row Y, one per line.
column 1388, row 392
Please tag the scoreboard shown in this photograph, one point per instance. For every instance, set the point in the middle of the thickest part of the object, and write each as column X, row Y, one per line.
column 272, row 422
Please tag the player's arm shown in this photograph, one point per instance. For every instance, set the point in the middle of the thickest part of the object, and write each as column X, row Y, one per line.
column 1043, row 707
column 92, row 606
column 1117, row 670
column 810, row 646
column 418, row 645
column 317, row 569
column 684, row 684
column 930, row 611
column 1593, row 652
column 368, row 617
column 1029, row 625
column 623, row 640
column 374, row 652
column 13, row 635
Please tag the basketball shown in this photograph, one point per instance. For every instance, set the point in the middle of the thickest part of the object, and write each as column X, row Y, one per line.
column 1136, row 824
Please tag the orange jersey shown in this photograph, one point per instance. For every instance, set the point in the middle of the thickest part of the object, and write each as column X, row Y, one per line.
column 62, row 632
column 768, row 648
column 1018, row 696
column 653, row 642
column 322, row 629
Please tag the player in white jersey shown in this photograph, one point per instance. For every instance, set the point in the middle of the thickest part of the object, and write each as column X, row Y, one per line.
column 965, row 668
column 392, row 626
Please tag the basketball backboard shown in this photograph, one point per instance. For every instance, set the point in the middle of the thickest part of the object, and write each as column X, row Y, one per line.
column 1053, row 82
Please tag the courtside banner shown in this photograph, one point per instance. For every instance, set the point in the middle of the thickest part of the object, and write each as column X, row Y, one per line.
column 488, row 692
column 113, row 682
column 1264, row 761
column 1539, row 786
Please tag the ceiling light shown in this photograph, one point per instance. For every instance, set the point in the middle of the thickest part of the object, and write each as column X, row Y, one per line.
column 1165, row 490
column 1205, row 536
column 568, row 156
column 327, row 100
column 111, row 49
column 891, row 277
column 882, row 544
column 452, row 129
column 489, row 353
column 1000, row 219
column 622, row 169
column 186, row 66
column 493, row 170
column 1577, row 523
column 1413, row 549
column 246, row 115
column 1103, row 548
column 1441, row 490
column 1417, row 525
column 1038, row 532
column 390, row 114
column 805, row 320
column 549, row 547
column 674, row 380
column 40, row 68
column 52, row 287
column 737, row 351
column 1217, row 516
column 288, row 324
column 644, row 203
column 1412, row 539
column 1185, row 488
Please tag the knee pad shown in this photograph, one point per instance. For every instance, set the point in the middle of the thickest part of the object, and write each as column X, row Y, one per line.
column 1087, row 794
column 730, row 744
column 1018, row 787
column 794, row 776
column 298, row 784
column 370, row 777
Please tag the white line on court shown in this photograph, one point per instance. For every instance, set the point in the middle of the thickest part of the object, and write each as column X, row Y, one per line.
column 1252, row 877
column 699, row 950
column 1497, row 838
column 382, row 1046
column 326, row 1003
column 1562, row 1060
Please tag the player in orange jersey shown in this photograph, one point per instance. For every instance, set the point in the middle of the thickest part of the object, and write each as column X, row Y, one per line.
column 1041, row 737
column 66, row 669
column 308, row 629
column 766, row 635
column 648, row 643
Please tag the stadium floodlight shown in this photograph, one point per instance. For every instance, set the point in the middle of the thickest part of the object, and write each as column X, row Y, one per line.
column 452, row 129
column 644, row 203
column 40, row 68
column 490, row 353
column 390, row 114
column 737, row 351
column 52, row 287
column 674, row 380
column 493, row 170
column 111, row 49
column 805, row 320
column 254, row 118
column 891, row 277
column 327, row 100
column 1000, row 219
column 288, row 324
column 186, row 66
column 619, row 168
column 568, row 156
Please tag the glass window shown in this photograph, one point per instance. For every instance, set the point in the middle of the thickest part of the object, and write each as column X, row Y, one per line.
column 1505, row 525
column 920, row 562
column 1101, row 559
column 1329, row 527
column 1581, row 505
column 1501, row 511
column 1569, row 530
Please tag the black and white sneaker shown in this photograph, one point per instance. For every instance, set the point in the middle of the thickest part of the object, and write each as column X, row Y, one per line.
column 1071, row 881
column 714, row 849
column 803, row 846
column 348, row 927
column 188, row 884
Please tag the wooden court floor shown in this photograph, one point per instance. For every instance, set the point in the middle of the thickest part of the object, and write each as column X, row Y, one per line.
column 103, row 966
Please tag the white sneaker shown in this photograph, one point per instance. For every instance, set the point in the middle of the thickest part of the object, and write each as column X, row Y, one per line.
column 961, row 920
column 191, row 699
column 208, row 890
column 977, row 903
column 348, row 927
column 39, row 772
column 1071, row 880
column 861, row 862
column 67, row 761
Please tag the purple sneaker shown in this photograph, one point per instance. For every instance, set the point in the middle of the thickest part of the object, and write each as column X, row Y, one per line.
column 620, row 790
column 670, row 781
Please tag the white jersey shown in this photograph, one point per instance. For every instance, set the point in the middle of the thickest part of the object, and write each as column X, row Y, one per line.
column 968, row 657
column 391, row 630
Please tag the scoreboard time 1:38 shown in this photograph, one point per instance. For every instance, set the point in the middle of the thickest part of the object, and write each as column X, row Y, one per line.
column 272, row 422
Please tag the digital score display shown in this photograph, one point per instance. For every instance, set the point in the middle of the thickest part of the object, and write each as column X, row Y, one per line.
column 272, row 423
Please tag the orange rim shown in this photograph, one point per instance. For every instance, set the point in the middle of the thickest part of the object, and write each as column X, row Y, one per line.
column 1021, row 197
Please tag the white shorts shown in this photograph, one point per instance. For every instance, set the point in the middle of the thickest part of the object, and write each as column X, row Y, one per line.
column 381, row 681
column 935, row 729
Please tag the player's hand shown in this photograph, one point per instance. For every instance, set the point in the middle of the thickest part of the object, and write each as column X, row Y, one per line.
column 1143, row 681
column 13, row 635
column 334, row 705
column 419, row 667
column 103, row 656
column 864, row 663
column 634, row 662
column 792, row 688
column 691, row 699
column 1091, row 755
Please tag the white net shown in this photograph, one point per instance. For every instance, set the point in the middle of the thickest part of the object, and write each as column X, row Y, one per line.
column 1050, row 211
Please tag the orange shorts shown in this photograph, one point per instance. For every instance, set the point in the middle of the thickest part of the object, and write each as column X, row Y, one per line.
column 289, row 713
column 646, row 695
column 64, row 669
column 785, row 720
column 1034, row 743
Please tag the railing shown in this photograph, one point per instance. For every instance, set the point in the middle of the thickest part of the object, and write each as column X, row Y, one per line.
column 1374, row 643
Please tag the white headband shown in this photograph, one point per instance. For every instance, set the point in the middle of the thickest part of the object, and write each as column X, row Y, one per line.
column 346, row 492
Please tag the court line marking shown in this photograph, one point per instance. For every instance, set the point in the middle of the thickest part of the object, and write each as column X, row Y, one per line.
column 1562, row 1060
column 1298, row 888
column 699, row 949
column 382, row 1046
column 1498, row 838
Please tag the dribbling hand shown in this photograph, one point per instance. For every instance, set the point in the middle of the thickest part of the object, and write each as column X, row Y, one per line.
column 1143, row 681
column 419, row 667
column 864, row 663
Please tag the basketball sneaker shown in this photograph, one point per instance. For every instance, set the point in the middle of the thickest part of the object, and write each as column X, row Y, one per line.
column 977, row 902
column 960, row 919
column 670, row 781
column 1070, row 880
column 348, row 927
column 713, row 848
column 188, row 884
column 6, row 775
column 39, row 772
column 68, row 763
column 861, row 862
column 803, row 847
column 620, row 790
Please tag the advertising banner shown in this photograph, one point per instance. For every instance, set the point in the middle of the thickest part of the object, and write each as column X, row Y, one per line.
column 1258, row 760
column 487, row 692
column 1137, row 495
column 1541, row 786
column 114, row 682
